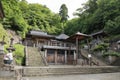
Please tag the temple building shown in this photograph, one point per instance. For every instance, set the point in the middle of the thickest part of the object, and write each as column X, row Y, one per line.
column 60, row 49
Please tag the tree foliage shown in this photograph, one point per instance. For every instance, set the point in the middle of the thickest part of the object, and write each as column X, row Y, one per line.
column 96, row 15
column 3, row 33
column 63, row 13
column 22, row 16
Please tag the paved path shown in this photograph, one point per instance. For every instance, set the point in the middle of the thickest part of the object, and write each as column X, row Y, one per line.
column 103, row 76
column 63, row 66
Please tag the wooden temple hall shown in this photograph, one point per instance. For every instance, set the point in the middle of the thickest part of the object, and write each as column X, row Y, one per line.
column 61, row 49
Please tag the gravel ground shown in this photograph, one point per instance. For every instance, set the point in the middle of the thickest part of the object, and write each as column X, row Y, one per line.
column 102, row 76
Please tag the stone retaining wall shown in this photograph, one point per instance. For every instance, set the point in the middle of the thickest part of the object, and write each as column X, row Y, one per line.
column 40, row 71
column 8, row 78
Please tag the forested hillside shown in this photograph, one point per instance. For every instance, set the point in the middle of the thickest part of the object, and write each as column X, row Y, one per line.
column 22, row 17
column 95, row 15
column 3, row 32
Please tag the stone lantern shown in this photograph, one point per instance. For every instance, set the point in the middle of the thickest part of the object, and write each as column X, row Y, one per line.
column 11, row 45
column 2, row 51
column 2, row 46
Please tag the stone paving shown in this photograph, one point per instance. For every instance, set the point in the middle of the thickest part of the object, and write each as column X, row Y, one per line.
column 103, row 76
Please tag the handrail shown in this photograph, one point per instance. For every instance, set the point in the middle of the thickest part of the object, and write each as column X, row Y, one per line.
column 94, row 59
column 43, row 58
column 19, row 73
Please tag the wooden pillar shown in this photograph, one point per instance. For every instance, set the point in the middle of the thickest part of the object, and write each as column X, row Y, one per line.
column 75, row 58
column 37, row 43
column 65, row 57
column 98, row 39
column 34, row 43
column 55, row 56
column 88, row 45
column 101, row 39
column 77, row 52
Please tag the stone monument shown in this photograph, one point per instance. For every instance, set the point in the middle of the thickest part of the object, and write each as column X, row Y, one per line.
column 5, row 72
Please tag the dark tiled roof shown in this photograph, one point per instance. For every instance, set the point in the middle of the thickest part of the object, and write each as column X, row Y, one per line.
column 62, row 36
column 36, row 32
column 78, row 35
column 40, row 33
column 98, row 33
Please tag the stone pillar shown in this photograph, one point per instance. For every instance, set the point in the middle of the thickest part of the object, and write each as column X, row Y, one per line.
column 45, row 55
column 11, row 42
column 26, row 54
column 75, row 56
column 1, row 60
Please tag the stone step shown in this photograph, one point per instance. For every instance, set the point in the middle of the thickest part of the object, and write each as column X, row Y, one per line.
column 8, row 78
column 34, row 58
column 40, row 71
column 7, row 73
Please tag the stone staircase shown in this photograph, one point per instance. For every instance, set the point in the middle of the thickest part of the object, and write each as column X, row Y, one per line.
column 67, row 70
column 34, row 57
column 7, row 75
column 95, row 60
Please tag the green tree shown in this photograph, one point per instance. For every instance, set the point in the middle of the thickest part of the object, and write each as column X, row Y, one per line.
column 63, row 14
column 22, row 16
column 96, row 15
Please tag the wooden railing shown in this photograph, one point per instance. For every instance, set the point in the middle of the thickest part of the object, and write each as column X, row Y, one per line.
column 59, row 47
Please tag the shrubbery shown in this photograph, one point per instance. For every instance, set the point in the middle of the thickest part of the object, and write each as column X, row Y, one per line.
column 101, row 47
column 18, row 53
column 3, row 33
column 111, row 53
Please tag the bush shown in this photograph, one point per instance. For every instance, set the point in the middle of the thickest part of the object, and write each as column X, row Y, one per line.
column 19, row 54
column 101, row 47
column 6, row 46
column 111, row 53
column 3, row 33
